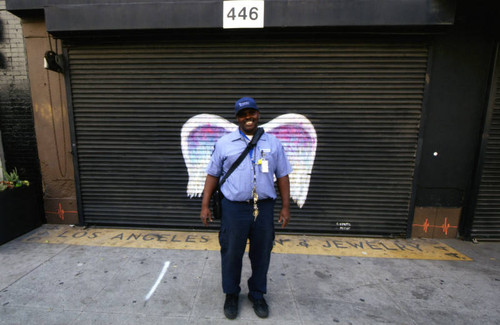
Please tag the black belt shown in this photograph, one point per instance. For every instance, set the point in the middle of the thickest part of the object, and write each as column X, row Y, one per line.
column 251, row 201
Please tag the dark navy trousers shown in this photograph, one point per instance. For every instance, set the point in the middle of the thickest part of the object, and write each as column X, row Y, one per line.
column 238, row 225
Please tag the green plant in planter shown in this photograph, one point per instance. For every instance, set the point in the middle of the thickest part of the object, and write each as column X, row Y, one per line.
column 12, row 180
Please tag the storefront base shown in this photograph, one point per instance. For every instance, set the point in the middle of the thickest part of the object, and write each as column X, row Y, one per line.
column 436, row 222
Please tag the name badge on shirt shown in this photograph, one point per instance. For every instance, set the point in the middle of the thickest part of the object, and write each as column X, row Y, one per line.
column 265, row 166
column 263, row 162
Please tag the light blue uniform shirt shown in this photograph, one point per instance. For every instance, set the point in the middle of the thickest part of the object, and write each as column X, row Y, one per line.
column 239, row 185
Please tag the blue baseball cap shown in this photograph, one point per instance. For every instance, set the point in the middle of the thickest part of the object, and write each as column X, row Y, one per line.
column 243, row 103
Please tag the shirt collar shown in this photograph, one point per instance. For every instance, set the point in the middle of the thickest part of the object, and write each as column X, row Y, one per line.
column 236, row 135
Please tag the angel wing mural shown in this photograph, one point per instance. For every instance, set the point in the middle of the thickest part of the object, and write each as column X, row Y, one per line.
column 295, row 131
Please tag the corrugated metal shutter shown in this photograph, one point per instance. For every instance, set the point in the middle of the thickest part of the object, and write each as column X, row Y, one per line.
column 364, row 99
column 486, row 218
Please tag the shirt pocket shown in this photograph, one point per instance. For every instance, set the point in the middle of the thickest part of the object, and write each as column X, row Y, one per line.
column 264, row 153
column 268, row 154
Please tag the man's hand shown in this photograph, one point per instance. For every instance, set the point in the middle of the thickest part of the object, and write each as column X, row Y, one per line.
column 210, row 185
column 284, row 217
column 206, row 216
column 284, row 188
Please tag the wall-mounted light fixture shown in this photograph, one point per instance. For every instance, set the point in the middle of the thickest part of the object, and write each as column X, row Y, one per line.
column 53, row 61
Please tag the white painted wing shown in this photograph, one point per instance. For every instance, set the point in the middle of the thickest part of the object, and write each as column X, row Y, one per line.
column 298, row 136
column 198, row 137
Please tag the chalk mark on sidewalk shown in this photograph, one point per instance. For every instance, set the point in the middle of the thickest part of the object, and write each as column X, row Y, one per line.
column 155, row 286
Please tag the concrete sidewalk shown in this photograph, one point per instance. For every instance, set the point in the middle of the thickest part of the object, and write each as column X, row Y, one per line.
column 70, row 284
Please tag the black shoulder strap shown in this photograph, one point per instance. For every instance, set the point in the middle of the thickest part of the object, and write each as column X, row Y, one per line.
column 245, row 152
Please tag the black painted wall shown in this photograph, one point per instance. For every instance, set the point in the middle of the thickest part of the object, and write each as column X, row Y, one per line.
column 18, row 134
column 462, row 62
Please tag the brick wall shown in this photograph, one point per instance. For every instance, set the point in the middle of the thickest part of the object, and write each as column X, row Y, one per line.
column 16, row 112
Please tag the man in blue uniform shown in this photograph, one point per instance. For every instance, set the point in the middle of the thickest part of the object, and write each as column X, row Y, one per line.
column 253, row 180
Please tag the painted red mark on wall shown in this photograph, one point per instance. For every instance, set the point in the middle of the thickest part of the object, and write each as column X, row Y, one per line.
column 60, row 212
column 445, row 226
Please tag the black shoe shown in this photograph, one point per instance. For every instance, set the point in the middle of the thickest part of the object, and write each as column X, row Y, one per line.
column 231, row 306
column 259, row 306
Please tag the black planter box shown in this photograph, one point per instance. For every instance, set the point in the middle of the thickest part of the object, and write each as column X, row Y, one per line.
column 20, row 212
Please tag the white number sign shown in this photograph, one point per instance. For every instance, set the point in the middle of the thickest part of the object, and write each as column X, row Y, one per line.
column 243, row 14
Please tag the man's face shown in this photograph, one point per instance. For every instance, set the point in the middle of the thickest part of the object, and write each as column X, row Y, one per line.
column 248, row 120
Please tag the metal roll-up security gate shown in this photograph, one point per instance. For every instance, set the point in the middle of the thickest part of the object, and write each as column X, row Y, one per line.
column 354, row 112
column 486, row 216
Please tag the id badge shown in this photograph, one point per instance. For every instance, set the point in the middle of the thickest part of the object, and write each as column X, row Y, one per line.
column 265, row 166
